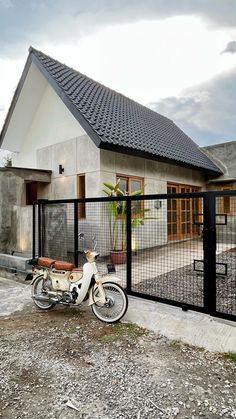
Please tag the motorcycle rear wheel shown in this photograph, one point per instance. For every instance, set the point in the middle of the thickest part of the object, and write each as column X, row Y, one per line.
column 115, row 307
column 37, row 289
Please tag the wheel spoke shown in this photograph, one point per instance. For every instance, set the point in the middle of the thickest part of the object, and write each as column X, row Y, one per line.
column 117, row 301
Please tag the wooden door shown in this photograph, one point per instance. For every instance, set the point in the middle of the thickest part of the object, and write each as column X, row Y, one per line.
column 180, row 213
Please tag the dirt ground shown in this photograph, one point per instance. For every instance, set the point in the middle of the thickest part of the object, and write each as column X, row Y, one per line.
column 48, row 359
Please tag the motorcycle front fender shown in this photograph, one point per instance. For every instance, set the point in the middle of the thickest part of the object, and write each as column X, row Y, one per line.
column 85, row 283
column 110, row 278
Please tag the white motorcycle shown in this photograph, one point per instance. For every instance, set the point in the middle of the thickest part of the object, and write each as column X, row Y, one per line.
column 57, row 282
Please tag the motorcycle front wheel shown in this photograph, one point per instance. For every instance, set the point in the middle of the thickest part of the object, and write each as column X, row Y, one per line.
column 38, row 291
column 116, row 303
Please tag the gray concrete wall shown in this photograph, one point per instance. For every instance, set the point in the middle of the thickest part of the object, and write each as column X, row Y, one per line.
column 225, row 156
column 78, row 156
column 15, row 216
column 156, row 176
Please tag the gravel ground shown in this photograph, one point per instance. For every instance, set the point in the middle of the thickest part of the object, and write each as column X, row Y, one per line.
column 120, row 371
column 186, row 285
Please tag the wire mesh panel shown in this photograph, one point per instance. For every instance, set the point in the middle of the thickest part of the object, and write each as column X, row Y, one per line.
column 63, row 230
column 58, row 231
column 226, row 254
column 166, row 248
column 104, row 224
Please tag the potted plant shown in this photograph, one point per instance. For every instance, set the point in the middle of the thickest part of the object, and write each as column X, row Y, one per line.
column 117, row 221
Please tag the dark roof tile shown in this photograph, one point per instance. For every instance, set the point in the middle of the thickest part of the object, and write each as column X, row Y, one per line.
column 119, row 121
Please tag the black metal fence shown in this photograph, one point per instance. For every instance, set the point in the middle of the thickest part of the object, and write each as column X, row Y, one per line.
column 179, row 249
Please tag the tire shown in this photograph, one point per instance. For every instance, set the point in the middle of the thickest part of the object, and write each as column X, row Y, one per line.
column 117, row 303
column 37, row 289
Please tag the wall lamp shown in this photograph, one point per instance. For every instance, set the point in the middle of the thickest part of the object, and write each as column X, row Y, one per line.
column 60, row 169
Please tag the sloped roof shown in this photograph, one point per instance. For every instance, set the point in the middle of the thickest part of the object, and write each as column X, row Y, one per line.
column 115, row 122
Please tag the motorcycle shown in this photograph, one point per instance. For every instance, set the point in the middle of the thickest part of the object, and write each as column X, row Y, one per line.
column 57, row 282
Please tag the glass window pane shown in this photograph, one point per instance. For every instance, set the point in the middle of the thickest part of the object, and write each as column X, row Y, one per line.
column 136, row 185
column 124, row 185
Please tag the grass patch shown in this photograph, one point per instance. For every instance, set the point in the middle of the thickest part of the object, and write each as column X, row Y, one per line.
column 229, row 356
column 178, row 345
column 119, row 330
column 72, row 330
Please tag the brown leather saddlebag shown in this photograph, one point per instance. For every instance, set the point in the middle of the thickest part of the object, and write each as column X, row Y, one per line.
column 60, row 265
column 46, row 262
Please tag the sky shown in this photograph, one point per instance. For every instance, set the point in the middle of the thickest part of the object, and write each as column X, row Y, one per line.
column 177, row 57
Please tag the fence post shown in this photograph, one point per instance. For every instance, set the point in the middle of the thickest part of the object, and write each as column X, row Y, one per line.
column 33, row 230
column 76, row 246
column 129, row 246
column 43, row 229
column 209, row 249
column 39, row 231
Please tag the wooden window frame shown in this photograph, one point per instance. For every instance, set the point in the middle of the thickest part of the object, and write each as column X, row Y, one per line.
column 81, row 190
column 129, row 178
column 226, row 187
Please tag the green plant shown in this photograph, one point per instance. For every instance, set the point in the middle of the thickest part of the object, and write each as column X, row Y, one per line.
column 7, row 161
column 229, row 356
column 117, row 215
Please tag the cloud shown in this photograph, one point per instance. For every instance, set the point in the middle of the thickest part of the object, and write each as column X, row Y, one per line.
column 230, row 47
column 206, row 112
column 33, row 21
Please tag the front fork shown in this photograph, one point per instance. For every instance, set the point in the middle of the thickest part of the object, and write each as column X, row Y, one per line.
column 101, row 298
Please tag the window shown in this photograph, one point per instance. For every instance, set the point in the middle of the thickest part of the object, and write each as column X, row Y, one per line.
column 130, row 184
column 31, row 192
column 226, row 201
column 81, row 194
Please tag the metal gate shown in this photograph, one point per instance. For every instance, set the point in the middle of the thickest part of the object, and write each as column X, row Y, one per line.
column 197, row 271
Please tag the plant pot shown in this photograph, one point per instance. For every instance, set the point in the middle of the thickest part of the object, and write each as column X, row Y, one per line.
column 118, row 257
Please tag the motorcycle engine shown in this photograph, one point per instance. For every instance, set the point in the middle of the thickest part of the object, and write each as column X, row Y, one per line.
column 67, row 297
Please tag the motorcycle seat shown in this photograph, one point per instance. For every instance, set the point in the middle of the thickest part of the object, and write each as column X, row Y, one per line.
column 46, row 262
column 60, row 265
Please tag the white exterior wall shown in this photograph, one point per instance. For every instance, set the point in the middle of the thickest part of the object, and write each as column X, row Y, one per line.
column 52, row 123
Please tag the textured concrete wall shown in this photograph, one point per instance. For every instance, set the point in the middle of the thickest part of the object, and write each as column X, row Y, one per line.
column 11, row 190
column 225, row 155
column 78, row 156
column 15, row 216
column 156, row 175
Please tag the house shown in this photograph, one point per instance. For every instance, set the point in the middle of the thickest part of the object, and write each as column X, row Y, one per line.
column 80, row 133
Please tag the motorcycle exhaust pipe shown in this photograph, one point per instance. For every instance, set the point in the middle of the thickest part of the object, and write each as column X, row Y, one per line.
column 46, row 299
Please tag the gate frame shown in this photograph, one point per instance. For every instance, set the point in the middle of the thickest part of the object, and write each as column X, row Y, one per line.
column 209, row 242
